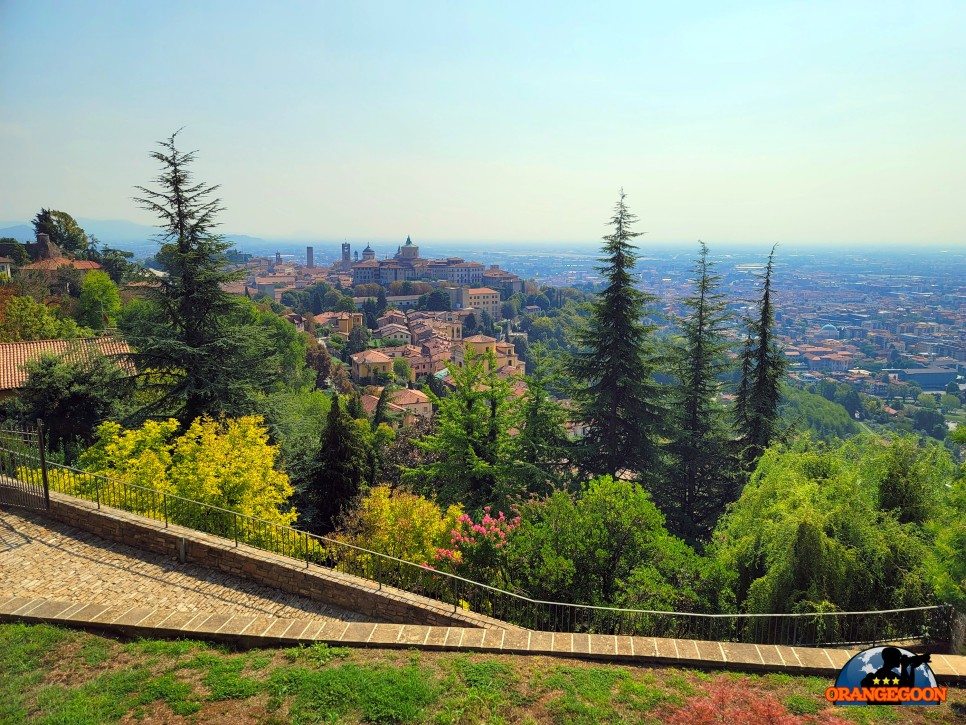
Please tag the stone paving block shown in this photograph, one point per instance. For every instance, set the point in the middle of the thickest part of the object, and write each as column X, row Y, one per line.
column 943, row 667
column 687, row 649
column 601, row 644
column 235, row 624
column 541, row 642
column 790, row 656
column 709, row 652
column 563, row 642
column 279, row 628
column 358, row 632
column 665, row 649
column 624, row 645
column 109, row 615
column 436, row 637
column 413, row 634
column 516, row 641
column 12, row 604
column 813, row 659
column 770, row 655
column 492, row 640
column 741, row 653
column 176, row 620
column 214, row 622
column 315, row 630
column 838, row 657
column 28, row 606
column 259, row 626
column 50, row 609
column 297, row 629
column 196, row 624
column 133, row 616
column 471, row 638
column 386, row 634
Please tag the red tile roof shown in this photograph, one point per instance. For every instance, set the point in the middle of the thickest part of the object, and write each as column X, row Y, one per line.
column 14, row 355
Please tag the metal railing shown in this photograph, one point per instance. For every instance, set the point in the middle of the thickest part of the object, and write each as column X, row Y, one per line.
column 932, row 623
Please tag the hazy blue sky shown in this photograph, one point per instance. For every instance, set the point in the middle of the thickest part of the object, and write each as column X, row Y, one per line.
column 766, row 121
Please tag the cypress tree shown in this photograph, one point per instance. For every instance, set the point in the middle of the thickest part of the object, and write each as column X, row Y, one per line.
column 700, row 480
column 756, row 416
column 342, row 468
column 613, row 388
column 203, row 349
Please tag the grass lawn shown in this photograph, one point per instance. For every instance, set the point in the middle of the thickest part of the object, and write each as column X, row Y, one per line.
column 52, row 675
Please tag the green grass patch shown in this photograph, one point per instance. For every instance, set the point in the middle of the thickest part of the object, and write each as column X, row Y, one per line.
column 801, row 705
column 46, row 676
column 318, row 653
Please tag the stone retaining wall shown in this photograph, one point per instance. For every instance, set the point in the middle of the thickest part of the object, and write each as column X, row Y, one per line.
column 286, row 574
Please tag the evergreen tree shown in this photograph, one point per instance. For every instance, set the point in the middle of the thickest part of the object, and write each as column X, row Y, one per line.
column 342, row 468
column 381, row 302
column 756, row 415
column 212, row 356
column 614, row 391
column 700, row 480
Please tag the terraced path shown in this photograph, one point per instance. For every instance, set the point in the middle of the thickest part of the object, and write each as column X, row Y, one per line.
column 40, row 558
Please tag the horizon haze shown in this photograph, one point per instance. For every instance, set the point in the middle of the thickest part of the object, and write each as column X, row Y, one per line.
column 807, row 124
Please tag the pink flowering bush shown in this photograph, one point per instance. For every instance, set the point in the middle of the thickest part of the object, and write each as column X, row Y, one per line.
column 478, row 549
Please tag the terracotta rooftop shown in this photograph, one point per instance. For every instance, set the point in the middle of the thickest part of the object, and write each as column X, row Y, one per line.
column 370, row 356
column 54, row 263
column 14, row 355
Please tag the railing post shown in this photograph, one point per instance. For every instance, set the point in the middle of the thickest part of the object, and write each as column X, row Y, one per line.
column 43, row 463
column 164, row 503
column 234, row 526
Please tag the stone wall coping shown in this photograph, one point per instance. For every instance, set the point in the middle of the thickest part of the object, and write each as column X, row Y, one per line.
column 255, row 631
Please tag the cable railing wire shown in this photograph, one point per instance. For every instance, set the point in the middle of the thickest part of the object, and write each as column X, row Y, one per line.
column 927, row 623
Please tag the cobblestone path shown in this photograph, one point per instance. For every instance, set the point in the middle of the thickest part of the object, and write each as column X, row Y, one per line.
column 43, row 558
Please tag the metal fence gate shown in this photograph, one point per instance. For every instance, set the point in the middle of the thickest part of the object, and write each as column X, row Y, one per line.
column 23, row 469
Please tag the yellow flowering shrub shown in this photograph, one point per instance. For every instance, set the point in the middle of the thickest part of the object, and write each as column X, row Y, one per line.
column 226, row 463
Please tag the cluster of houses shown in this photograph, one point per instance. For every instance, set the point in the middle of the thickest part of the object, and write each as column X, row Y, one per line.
column 430, row 342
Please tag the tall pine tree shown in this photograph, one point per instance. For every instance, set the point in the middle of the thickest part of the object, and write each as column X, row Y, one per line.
column 756, row 417
column 700, row 480
column 614, row 389
column 202, row 350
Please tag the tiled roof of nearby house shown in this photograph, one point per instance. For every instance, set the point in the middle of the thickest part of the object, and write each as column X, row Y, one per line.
column 409, row 397
column 14, row 355
column 54, row 263
column 479, row 338
column 370, row 356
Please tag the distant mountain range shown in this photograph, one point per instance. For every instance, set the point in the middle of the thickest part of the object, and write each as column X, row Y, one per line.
column 137, row 238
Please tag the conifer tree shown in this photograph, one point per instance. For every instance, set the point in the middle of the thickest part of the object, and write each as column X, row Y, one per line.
column 700, row 479
column 614, row 391
column 202, row 348
column 342, row 468
column 756, row 416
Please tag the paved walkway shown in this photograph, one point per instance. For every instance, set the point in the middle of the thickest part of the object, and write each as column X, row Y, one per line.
column 40, row 558
column 252, row 631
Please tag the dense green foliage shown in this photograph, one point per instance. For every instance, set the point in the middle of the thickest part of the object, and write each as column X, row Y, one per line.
column 73, row 394
column 835, row 527
column 822, row 419
column 607, row 545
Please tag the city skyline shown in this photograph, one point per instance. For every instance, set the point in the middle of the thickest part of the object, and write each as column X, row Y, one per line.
column 760, row 122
